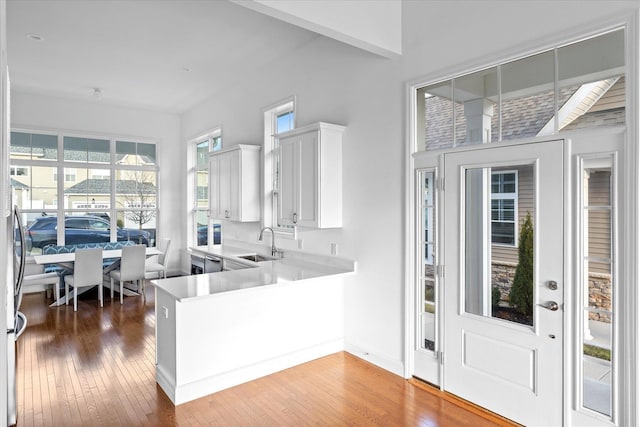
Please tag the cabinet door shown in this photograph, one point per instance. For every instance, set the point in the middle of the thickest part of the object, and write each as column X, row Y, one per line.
column 307, row 208
column 289, row 173
column 214, row 187
column 224, row 174
column 234, row 185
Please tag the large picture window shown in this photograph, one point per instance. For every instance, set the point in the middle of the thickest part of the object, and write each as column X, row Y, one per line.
column 71, row 189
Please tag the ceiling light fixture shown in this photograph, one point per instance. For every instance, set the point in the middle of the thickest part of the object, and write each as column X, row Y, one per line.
column 186, row 69
column 35, row 37
column 97, row 93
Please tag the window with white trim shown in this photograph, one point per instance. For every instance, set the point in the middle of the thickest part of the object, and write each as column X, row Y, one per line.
column 19, row 171
column 504, row 207
column 83, row 174
column 277, row 119
column 200, row 149
column 575, row 86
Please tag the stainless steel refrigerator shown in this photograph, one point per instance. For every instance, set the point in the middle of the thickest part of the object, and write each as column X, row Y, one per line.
column 16, row 320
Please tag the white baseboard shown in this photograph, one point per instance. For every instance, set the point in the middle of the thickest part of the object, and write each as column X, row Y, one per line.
column 165, row 383
column 186, row 392
column 393, row 366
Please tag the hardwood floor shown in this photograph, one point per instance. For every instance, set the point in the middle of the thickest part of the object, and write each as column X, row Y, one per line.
column 97, row 367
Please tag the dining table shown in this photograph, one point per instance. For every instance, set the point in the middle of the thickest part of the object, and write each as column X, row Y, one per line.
column 66, row 261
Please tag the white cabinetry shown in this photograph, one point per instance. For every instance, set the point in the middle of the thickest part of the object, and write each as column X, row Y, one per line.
column 234, row 183
column 310, row 193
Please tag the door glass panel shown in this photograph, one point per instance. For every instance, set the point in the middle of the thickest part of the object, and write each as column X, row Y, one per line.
column 427, row 289
column 499, row 235
column 597, row 285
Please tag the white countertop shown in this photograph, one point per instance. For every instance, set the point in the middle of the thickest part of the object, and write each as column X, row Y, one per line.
column 294, row 267
column 225, row 251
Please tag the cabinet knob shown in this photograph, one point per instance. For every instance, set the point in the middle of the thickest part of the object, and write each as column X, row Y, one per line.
column 295, row 218
column 226, row 214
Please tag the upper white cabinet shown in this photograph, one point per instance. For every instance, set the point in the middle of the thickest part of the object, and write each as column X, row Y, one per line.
column 234, row 183
column 310, row 193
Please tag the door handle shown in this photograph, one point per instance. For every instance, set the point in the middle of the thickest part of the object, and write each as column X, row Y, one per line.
column 551, row 305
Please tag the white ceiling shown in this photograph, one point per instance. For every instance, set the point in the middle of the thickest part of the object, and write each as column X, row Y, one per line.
column 136, row 51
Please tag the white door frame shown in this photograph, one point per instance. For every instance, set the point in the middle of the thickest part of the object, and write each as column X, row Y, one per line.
column 581, row 144
column 630, row 219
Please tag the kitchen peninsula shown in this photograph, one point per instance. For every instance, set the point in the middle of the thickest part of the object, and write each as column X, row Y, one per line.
column 217, row 330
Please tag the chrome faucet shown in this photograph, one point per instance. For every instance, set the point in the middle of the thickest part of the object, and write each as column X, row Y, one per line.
column 274, row 250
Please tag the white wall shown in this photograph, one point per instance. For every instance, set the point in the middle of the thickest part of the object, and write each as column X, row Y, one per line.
column 339, row 84
column 373, row 25
column 45, row 112
column 439, row 36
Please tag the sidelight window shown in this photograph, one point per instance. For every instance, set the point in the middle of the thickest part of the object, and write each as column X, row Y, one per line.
column 427, row 262
column 598, row 279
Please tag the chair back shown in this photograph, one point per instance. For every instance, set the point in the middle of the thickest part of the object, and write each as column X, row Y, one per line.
column 87, row 268
column 163, row 246
column 132, row 264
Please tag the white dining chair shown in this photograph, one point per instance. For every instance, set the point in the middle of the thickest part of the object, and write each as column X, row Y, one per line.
column 87, row 271
column 131, row 269
column 36, row 280
column 156, row 266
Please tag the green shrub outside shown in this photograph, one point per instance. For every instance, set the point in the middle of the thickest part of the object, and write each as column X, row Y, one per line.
column 521, row 294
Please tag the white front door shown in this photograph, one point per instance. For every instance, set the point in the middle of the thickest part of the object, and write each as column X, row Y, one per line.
column 504, row 229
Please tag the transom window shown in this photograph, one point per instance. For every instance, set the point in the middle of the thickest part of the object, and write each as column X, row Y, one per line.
column 580, row 85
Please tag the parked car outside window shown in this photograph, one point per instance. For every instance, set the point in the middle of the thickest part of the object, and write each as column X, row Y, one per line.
column 202, row 234
column 78, row 229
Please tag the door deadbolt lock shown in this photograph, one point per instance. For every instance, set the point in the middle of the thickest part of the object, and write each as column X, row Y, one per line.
column 551, row 305
column 553, row 285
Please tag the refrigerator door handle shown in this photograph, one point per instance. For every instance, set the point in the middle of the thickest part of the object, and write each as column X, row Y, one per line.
column 21, row 324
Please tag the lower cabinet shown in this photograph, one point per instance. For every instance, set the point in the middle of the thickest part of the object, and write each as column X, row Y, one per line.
column 207, row 344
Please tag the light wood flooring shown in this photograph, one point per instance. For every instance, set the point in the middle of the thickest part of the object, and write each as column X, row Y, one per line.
column 96, row 367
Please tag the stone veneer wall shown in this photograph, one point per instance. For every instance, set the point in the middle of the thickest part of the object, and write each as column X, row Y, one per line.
column 600, row 295
column 502, row 274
